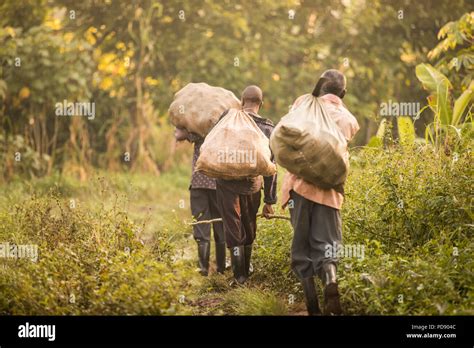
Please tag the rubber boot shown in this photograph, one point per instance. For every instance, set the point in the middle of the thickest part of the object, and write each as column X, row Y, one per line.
column 248, row 256
column 220, row 257
column 237, row 257
column 332, row 304
column 204, row 251
column 311, row 296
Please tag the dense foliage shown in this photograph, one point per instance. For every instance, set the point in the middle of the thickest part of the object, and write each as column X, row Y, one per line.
column 129, row 57
column 91, row 258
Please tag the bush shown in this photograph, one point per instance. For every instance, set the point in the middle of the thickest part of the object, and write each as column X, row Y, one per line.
column 430, row 281
column 89, row 263
column 407, row 197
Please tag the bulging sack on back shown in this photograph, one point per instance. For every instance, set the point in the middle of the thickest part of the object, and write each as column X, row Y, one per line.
column 235, row 149
column 308, row 143
column 198, row 106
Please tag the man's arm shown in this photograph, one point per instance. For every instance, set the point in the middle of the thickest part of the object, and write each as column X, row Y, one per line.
column 269, row 184
column 182, row 134
column 270, row 189
column 270, row 197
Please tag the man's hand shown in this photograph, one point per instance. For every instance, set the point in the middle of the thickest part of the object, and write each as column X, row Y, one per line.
column 180, row 134
column 267, row 210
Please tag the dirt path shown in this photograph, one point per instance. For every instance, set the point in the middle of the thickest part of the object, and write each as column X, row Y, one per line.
column 209, row 295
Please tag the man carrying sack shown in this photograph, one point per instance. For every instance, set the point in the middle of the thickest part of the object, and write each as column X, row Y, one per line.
column 239, row 200
column 204, row 207
column 315, row 212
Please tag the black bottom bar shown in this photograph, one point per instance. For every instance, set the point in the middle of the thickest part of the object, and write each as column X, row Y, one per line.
column 452, row 331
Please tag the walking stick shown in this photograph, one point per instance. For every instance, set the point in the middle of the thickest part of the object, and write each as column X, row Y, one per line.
column 272, row 216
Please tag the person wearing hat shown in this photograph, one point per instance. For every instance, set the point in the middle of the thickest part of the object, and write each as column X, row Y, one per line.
column 315, row 212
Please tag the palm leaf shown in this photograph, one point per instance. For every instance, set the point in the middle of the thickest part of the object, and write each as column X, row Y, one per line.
column 462, row 103
column 439, row 87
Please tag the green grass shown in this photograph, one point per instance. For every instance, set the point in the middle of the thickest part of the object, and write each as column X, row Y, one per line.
column 253, row 301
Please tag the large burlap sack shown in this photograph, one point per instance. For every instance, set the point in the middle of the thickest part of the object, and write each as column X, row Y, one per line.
column 235, row 149
column 308, row 143
column 198, row 106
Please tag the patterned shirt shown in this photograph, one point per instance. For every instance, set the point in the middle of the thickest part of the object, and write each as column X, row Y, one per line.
column 199, row 180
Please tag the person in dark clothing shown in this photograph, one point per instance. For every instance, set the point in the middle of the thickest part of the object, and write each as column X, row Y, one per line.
column 239, row 200
column 204, row 207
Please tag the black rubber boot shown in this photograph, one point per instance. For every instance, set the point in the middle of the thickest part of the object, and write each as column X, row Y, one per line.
column 332, row 304
column 237, row 257
column 248, row 256
column 220, row 257
column 311, row 296
column 204, row 251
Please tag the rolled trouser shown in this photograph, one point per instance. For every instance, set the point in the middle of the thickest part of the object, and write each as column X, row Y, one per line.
column 317, row 230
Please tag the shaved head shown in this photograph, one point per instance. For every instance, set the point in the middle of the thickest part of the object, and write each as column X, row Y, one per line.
column 252, row 95
column 331, row 81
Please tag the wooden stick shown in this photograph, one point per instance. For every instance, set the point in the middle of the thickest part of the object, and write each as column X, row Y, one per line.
column 275, row 216
column 204, row 222
column 272, row 216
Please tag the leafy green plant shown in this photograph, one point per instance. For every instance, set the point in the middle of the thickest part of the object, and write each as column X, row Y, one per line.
column 455, row 51
column 448, row 115
column 406, row 133
column 377, row 139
